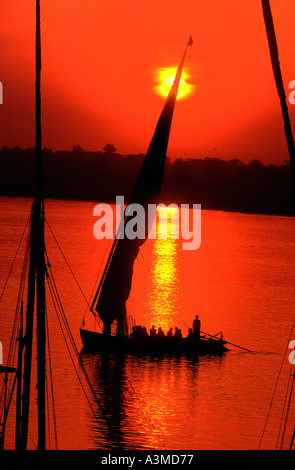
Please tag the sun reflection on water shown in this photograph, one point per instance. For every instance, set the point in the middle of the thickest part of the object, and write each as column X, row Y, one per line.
column 163, row 302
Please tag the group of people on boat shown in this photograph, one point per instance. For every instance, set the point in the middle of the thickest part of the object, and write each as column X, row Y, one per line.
column 141, row 331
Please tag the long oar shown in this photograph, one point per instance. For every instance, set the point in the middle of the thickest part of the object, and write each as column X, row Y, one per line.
column 227, row 342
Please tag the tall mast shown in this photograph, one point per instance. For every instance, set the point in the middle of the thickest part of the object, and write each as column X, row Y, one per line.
column 38, row 175
column 19, row 379
column 41, row 312
column 274, row 55
column 36, row 279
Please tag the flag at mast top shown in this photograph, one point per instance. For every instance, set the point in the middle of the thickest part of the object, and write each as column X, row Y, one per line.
column 190, row 41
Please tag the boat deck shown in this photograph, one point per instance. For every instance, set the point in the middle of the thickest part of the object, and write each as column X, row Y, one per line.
column 97, row 342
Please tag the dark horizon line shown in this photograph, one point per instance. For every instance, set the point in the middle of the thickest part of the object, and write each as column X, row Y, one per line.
column 142, row 154
column 229, row 185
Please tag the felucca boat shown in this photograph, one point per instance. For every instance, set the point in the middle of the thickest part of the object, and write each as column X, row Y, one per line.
column 109, row 303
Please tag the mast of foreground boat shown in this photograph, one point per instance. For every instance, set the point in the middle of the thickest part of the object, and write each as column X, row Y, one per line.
column 36, row 281
column 119, row 266
column 274, row 55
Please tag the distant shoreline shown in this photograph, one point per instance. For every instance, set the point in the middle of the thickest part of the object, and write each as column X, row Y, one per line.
column 79, row 175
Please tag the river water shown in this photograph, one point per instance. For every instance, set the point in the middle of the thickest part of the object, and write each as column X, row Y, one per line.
column 241, row 281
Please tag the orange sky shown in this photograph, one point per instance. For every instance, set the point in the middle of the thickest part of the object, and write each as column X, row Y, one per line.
column 99, row 64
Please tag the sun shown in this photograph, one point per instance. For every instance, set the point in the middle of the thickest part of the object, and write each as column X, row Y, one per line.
column 165, row 79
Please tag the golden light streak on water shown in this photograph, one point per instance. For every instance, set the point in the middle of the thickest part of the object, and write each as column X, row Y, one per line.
column 163, row 288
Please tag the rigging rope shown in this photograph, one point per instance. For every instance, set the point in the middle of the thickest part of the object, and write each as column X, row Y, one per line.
column 149, row 419
column 275, row 388
column 14, row 335
column 98, row 274
column 287, row 412
column 54, row 289
column 59, row 247
column 51, row 383
column 15, row 256
column 67, row 263
column 59, row 310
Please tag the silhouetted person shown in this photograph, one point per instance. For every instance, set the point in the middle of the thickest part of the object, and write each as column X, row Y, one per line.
column 170, row 333
column 177, row 333
column 160, row 333
column 133, row 332
column 197, row 327
column 144, row 331
column 139, row 330
column 153, row 332
column 190, row 333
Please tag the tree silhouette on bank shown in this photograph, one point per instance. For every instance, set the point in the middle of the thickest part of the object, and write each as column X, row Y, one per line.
column 102, row 175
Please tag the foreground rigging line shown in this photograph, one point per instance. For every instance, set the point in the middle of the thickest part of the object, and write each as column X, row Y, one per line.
column 151, row 422
column 293, row 436
column 53, row 295
column 56, row 299
column 59, row 308
column 72, row 339
column 53, row 291
column 276, row 384
column 287, row 412
column 51, row 383
column 59, row 247
column 18, row 248
column 67, row 263
column 13, row 339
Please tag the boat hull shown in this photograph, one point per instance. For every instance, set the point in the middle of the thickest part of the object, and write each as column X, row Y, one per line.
column 97, row 342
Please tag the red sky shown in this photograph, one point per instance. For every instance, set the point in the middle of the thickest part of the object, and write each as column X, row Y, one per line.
column 99, row 66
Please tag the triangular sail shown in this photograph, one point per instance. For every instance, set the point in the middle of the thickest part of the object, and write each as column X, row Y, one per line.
column 115, row 285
